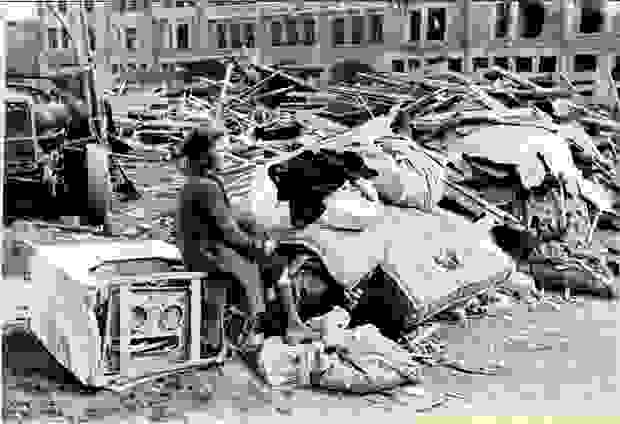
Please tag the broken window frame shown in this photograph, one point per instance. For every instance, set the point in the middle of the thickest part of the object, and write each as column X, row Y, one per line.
column 528, row 61
column 236, row 40
column 358, row 29
column 415, row 25
column 376, row 28
column 455, row 64
column 52, row 38
column 65, row 38
column 309, row 25
column 502, row 20
column 480, row 63
column 502, row 61
column 277, row 32
column 588, row 63
column 292, row 36
column 220, row 34
column 249, row 35
column 338, row 29
column 544, row 64
column 398, row 64
column 131, row 43
column 437, row 34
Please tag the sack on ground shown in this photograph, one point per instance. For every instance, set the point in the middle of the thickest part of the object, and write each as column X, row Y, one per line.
column 366, row 362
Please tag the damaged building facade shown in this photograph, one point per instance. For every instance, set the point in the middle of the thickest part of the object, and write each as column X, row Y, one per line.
column 137, row 38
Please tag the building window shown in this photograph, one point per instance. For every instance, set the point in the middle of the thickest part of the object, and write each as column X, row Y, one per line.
column 183, row 36
column 291, row 31
column 52, row 38
column 143, row 67
column 235, row 36
column 250, row 36
column 132, row 5
column 221, row 36
column 338, row 31
column 585, row 63
column 533, row 16
column 415, row 25
column 62, row 6
column 414, row 64
column 502, row 62
column 309, row 32
column 524, row 64
column 115, row 68
column 480, row 63
column 547, row 64
column 591, row 21
column 455, row 64
column 131, row 39
column 376, row 28
column 164, row 33
column 155, row 2
column 182, row 3
column 436, row 24
column 92, row 38
column 398, row 66
column 131, row 67
column 501, row 20
column 65, row 39
column 357, row 30
column 89, row 5
column 276, row 33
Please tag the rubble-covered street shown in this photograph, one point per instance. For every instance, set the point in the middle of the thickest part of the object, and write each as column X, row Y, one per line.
column 417, row 243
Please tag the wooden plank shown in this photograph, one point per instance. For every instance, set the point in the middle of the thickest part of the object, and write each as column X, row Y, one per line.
column 124, row 331
column 196, row 319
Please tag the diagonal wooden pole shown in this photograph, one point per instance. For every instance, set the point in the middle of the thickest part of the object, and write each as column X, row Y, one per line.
column 3, row 310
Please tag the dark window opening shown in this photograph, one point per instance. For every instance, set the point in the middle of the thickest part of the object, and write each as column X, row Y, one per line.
column 183, row 36
column 18, row 118
column 480, row 63
column 291, row 32
column 65, row 39
column 524, row 64
column 414, row 64
column 250, row 37
column 221, row 36
column 548, row 64
column 398, row 66
column 502, row 62
column 533, row 18
column 62, row 6
column 591, row 21
column 415, row 25
column 309, row 32
column 131, row 40
column 376, row 28
column 436, row 24
column 235, row 36
column 501, row 24
column 455, row 64
column 585, row 63
column 89, row 5
column 338, row 31
column 52, row 38
column 276, row 33
column 357, row 30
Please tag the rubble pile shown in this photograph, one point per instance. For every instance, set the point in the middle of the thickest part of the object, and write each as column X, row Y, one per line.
column 522, row 172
